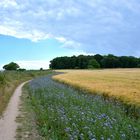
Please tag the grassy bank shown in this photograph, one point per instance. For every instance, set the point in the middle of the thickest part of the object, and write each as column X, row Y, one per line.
column 121, row 84
column 27, row 127
column 9, row 80
column 62, row 113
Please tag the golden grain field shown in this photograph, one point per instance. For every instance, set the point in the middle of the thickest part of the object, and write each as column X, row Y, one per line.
column 122, row 84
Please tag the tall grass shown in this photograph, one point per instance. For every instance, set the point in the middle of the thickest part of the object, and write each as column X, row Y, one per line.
column 63, row 113
column 2, row 78
column 3, row 83
column 9, row 80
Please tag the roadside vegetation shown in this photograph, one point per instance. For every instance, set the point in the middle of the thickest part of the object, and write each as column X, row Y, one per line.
column 64, row 113
column 120, row 84
column 9, row 80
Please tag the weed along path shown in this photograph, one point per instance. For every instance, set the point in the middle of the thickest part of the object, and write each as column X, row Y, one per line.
column 8, row 124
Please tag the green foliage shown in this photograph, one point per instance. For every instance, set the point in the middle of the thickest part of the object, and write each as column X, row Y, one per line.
column 138, row 66
column 98, row 58
column 11, row 66
column 82, row 62
column 21, row 69
column 128, row 62
column 93, row 64
column 110, row 61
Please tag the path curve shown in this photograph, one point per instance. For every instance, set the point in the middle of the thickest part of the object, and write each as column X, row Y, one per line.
column 8, row 124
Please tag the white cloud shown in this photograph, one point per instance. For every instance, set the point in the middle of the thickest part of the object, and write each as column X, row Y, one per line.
column 33, row 64
column 61, row 39
column 80, row 52
column 82, row 24
column 68, row 43
column 71, row 44
column 8, row 3
column 70, row 19
column 33, row 35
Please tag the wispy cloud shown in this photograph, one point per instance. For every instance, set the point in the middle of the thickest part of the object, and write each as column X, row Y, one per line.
column 93, row 25
column 34, row 64
column 31, row 64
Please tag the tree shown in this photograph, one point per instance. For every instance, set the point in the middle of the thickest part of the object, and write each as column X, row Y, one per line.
column 84, row 62
column 98, row 58
column 21, row 69
column 129, row 61
column 11, row 66
column 138, row 63
column 110, row 61
column 93, row 64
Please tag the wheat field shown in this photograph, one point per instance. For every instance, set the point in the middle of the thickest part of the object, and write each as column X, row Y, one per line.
column 121, row 84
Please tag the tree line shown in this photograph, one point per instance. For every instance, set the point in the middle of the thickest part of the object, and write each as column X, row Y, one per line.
column 95, row 61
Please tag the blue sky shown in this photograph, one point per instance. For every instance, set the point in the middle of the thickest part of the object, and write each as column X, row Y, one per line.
column 32, row 32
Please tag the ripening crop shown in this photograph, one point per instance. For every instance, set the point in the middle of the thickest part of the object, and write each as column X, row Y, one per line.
column 122, row 84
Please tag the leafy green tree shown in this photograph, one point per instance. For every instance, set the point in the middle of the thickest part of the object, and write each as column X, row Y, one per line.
column 21, row 69
column 83, row 62
column 93, row 64
column 73, row 62
column 128, row 62
column 110, row 61
column 11, row 66
column 98, row 58
column 138, row 65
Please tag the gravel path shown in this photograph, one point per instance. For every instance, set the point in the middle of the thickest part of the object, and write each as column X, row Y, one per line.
column 8, row 124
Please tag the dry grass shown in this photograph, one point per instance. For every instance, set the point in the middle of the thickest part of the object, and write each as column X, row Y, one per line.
column 11, row 81
column 122, row 84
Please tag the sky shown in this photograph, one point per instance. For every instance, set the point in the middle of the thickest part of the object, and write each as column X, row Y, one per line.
column 33, row 32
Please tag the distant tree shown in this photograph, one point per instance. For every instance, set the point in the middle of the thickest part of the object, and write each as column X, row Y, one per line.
column 41, row 69
column 11, row 66
column 98, row 58
column 84, row 62
column 21, row 69
column 138, row 66
column 73, row 63
column 110, row 61
column 133, row 62
column 128, row 62
column 93, row 64
column 138, row 63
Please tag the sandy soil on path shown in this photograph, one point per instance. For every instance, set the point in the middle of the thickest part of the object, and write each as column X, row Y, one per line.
column 8, row 124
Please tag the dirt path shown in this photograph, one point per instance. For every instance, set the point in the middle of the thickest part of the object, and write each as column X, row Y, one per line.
column 8, row 124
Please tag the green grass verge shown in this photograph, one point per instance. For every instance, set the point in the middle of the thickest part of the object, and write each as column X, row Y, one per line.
column 27, row 128
column 62, row 113
column 9, row 80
